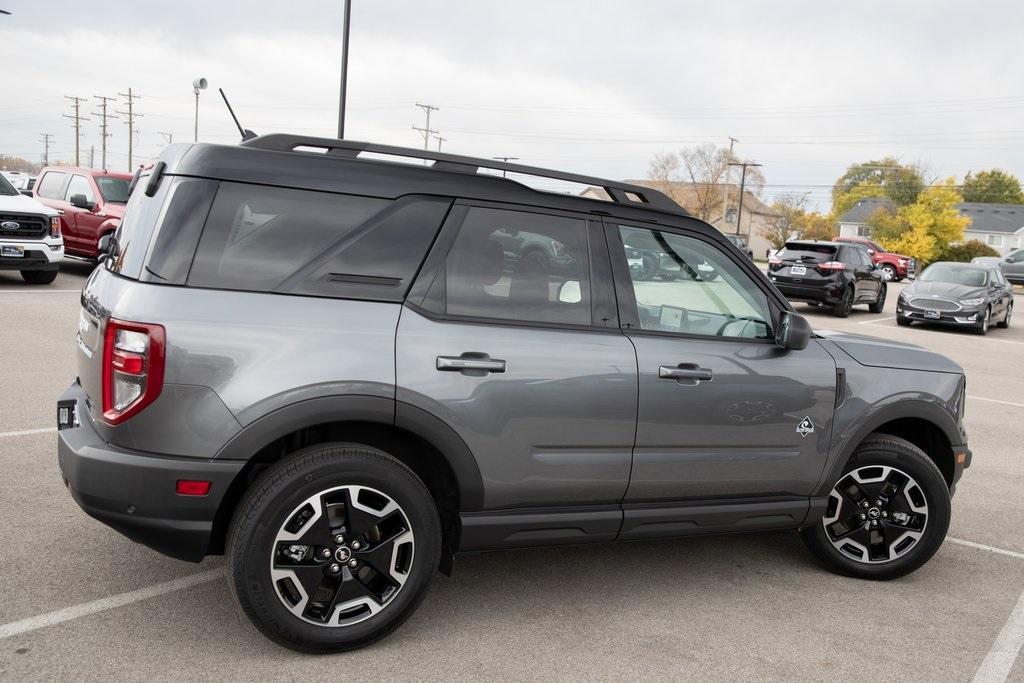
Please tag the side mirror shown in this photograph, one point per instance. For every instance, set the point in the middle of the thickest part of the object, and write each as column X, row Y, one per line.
column 80, row 202
column 27, row 193
column 1010, row 259
column 871, row 251
column 794, row 332
column 107, row 247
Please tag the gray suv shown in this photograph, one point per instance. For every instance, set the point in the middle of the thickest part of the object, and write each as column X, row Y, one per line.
column 341, row 370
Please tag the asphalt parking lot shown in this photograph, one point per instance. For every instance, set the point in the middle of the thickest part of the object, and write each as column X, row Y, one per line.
column 79, row 600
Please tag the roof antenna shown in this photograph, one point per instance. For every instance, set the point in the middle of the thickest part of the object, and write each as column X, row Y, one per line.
column 246, row 133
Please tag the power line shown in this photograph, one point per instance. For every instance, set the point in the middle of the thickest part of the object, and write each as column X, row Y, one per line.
column 426, row 131
column 76, row 122
column 46, row 147
column 102, row 113
column 131, row 116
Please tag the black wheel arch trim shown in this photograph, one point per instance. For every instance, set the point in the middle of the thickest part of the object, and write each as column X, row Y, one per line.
column 363, row 408
column 921, row 410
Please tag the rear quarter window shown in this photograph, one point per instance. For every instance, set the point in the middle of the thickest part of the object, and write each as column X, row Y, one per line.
column 51, row 185
column 272, row 239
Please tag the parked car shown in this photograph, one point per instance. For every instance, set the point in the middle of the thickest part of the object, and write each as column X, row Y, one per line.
column 22, row 182
column 1012, row 266
column 332, row 369
column 960, row 294
column 987, row 260
column 30, row 239
column 90, row 204
column 741, row 244
column 828, row 273
column 893, row 267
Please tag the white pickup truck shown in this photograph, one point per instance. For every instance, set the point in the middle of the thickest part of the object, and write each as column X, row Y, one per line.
column 30, row 239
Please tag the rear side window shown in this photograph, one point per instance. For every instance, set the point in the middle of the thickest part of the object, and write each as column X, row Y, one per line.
column 514, row 265
column 51, row 184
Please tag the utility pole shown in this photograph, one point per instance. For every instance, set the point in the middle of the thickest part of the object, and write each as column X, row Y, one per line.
column 168, row 136
column 439, row 141
column 426, row 131
column 46, row 147
column 76, row 121
column 506, row 160
column 743, row 182
column 342, row 96
column 725, row 187
column 102, row 113
column 92, row 156
column 130, row 117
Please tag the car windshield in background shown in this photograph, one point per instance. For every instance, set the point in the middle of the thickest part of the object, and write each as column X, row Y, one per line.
column 114, row 190
column 957, row 275
column 810, row 253
column 6, row 188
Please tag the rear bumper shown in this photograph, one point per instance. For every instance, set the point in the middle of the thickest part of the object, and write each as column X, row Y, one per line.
column 826, row 294
column 134, row 492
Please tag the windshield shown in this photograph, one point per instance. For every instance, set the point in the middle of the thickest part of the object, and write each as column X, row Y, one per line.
column 813, row 253
column 956, row 275
column 114, row 190
column 5, row 187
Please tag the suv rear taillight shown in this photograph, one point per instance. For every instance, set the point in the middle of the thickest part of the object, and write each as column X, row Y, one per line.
column 54, row 226
column 133, row 368
column 831, row 265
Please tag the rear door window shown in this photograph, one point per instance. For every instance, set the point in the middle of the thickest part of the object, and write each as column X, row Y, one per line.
column 811, row 253
column 51, row 185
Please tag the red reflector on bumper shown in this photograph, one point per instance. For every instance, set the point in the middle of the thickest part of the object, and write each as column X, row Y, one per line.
column 192, row 487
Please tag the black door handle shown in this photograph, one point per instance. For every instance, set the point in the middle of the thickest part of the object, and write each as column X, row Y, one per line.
column 688, row 374
column 472, row 364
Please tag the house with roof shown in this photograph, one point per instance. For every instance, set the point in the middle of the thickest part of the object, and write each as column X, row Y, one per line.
column 1000, row 226
column 757, row 216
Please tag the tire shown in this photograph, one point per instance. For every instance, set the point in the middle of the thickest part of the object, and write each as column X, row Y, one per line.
column 923, row 497
column 650, row 267
column 879, row 304
column 1005, row 322
column 267, row 526
column 903, row 321
column 983, row 326
column 39, row 277
column 845, row 305
column 888, row 273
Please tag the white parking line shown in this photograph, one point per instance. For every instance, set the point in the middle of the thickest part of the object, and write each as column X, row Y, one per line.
column 996, row 400
column 876, row 320
column 989, row 548
column 103, row 604
column 39, row 291
column 998, row 663
column 26, row 432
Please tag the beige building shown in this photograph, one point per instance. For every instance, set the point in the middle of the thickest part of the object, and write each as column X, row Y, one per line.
column 757, row 215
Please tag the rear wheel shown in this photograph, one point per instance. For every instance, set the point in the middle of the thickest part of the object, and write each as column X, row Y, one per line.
column 1006, row 318
column 879, row 304
column 844, row 305
column 887, row 514
column 333, row 547
column 39, row 277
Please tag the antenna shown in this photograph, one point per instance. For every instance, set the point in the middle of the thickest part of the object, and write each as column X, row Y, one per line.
column 245, row 132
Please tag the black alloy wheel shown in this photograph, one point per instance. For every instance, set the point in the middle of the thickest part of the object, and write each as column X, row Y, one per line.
column 879, row 304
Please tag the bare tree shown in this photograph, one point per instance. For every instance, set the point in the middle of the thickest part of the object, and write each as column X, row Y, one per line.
column 693, row 178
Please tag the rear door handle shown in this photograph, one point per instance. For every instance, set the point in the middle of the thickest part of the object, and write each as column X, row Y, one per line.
column 470, row 364
column 685, row 373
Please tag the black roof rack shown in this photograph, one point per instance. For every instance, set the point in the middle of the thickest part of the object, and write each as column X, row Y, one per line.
column 620, row 193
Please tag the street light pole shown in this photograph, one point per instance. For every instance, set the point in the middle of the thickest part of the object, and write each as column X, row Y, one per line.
column 344, row 70
column 197, row 85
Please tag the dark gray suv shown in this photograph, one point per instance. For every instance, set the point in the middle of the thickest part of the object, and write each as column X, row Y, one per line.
column 341, row 371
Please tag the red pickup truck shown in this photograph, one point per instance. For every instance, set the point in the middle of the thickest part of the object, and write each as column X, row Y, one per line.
column 90, row 203
column 893, row 267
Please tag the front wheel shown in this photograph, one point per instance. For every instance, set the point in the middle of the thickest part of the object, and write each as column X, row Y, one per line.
column 986, row 320
column 879, row 304
column 1006, row 318
column 886, row 515
column 888, row 273
column 333, row 547
column 39, row 277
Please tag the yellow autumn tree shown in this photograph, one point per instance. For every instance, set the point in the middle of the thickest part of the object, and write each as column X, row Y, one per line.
column 926, row 227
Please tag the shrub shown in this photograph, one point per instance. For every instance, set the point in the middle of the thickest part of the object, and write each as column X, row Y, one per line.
column 965, row 251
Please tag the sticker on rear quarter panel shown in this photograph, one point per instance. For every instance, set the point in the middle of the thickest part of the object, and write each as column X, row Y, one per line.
column 805, row 427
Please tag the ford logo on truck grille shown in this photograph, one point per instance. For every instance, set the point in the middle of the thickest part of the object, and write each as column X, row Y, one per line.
column 10, row 225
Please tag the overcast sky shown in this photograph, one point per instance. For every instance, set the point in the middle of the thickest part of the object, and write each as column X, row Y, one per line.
column 595, row 87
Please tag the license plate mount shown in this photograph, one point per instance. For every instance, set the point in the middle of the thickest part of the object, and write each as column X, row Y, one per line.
column 8, row 251
column 67, row 414
column 932, row 315
column 798, row 270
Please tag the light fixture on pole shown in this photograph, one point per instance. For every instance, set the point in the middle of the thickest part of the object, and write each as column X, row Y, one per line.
column 197, row 85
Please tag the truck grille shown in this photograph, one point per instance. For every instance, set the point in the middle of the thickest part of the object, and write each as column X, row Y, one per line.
column 29, row 226
column 935, row 304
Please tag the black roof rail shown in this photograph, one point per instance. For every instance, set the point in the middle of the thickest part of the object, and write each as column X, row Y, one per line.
column 621, row 193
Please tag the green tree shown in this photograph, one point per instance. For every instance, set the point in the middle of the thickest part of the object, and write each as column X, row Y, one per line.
column 899, row 182
column 995, row 186
column 966, row 251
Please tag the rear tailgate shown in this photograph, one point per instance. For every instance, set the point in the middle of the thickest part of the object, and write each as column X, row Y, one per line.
column 801, row 264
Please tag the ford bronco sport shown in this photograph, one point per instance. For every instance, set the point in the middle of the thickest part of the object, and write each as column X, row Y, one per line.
column 341, row 371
